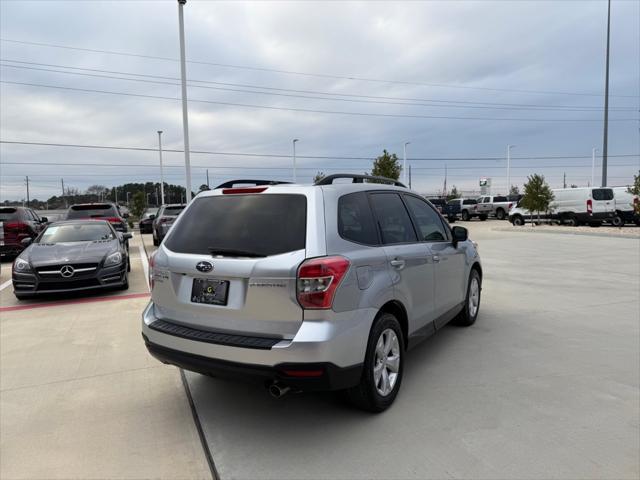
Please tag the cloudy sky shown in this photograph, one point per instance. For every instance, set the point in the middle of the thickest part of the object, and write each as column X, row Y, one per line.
column 459, row 80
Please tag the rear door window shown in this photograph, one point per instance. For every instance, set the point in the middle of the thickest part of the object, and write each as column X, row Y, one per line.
column 261, row 225
column 602, row 194
column 355, row 220
column 500, row 199
column 430, row 227
column 393, row 219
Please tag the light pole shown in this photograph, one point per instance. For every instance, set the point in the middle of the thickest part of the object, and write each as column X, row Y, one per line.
column 404, row 161
column 161, row 169
column 593, row 165
column 294, row 159
column 128, row 193
column 605, row 140
column 148, row 199
column 185, row 115
column 509, row 147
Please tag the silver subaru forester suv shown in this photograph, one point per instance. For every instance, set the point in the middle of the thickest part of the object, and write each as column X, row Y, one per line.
column 309, row 287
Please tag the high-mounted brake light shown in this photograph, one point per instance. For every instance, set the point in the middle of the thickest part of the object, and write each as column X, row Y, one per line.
column 589, row 206
column 228, row 191
column 318, row 280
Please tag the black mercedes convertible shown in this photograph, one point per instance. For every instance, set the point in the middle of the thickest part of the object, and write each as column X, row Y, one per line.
column 72, row 255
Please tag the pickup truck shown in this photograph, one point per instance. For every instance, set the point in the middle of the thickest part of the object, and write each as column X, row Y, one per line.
column 447, row 209
column 467, row 207
column 494, row 205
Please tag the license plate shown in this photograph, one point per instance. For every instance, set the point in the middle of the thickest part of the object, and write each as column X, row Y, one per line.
column 210, row 292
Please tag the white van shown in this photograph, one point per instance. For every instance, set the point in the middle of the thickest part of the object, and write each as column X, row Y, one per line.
column 573, row 206
column 625, row 207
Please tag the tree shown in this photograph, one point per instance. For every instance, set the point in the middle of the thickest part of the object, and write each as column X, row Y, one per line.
column 635, row 190
column 537, row 195
column 138, row 204
column 387, row 165
column 97, row 190
column 453, row 193
column 514, row 190
column 318, row 176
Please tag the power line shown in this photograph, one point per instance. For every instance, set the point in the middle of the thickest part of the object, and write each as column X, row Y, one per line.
column 274, row 155
column 308, row 74
column 307, row 110
column 173, row 81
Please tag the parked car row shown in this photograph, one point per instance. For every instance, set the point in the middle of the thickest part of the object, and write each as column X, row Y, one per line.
column 584, row 206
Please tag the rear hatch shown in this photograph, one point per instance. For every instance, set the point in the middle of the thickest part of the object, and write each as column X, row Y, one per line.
column 603, row 200
column 10, row 226
column 230, row 262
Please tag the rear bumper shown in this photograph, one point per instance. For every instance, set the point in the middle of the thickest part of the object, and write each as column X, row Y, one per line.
column 324, row 376
column 336, row 346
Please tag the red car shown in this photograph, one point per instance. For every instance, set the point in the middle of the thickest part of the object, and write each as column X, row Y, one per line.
column 17, row 224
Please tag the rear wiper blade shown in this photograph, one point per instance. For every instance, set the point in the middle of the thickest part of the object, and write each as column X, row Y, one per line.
column 233, row 252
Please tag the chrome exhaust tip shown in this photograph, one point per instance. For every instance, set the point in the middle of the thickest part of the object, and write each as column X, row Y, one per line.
column 278, row 391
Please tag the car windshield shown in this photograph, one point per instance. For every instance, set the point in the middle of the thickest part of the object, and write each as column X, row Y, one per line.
column 242, row 225
column 8, row 214
column 92, row 211
column 173, row 210
column 83, row 232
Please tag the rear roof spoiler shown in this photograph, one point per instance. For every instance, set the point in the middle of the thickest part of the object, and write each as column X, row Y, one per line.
column 233, row 183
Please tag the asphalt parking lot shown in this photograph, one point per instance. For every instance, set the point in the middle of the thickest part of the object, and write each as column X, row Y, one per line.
column 545, row 385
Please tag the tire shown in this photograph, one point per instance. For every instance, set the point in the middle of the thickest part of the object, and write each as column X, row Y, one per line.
column 469, row 312
column 156, row 243
column 571, row 220
column 465, row 216
column 128, row 264
column 367, row 394
column 500, row 215
column 518, row 221
column 125, row 285
column 483, row 218
column 451, row 219
column 617, row 221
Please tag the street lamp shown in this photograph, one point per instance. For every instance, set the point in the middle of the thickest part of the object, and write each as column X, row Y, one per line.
column 509, row 147
column 593, row 165
column 294, row 159
column 185, row 115
column 161, row 170
column 404, row 161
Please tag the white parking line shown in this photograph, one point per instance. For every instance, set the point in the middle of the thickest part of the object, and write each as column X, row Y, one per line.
column 145, row 264
column 5, row 285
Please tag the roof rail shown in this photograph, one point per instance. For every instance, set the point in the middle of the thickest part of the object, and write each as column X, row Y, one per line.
column 357, row 178
column 233, row 183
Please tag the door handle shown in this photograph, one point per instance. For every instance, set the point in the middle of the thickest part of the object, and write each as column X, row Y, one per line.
column 397, row 263
column 436, row 259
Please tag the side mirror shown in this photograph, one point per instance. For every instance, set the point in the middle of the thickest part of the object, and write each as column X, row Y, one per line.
column 26, row 241
column 460, row 234
column 152, row 217
column 125, row 215
column 44, row 220
column 127, row 236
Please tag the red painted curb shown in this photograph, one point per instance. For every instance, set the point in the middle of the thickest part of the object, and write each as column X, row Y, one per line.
column 72, row 302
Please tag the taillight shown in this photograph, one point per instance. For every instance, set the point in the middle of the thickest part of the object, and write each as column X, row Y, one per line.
column 228, row 191
column 17, row 227
column 151, row 265
column 589, row 206
column 318, row 280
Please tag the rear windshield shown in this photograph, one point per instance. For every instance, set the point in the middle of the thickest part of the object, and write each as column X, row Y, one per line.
column 92, row 211
column 9, row 214
column 602, row 194
column 500, row 199
column 261, row 225
column 172, row 210
column 469, row 201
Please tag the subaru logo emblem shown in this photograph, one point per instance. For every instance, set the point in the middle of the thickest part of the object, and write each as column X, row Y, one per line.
column 67, row 271
column 204, row 267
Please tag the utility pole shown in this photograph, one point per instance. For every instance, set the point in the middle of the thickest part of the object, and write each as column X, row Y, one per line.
column 593, row 165
column 564, row 180
column 444, row 190
column 208, row 179
column 409, row 176
column 509, row 147
column 606, row 103
column 116, row 194
column 185, row 114
column 161, row 169
column 404, row 161
column 27, row 191
column 294, row 160
column 64, row 199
